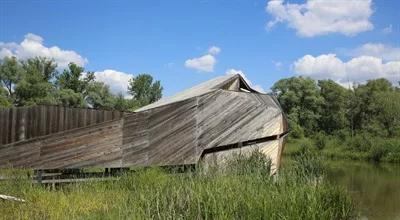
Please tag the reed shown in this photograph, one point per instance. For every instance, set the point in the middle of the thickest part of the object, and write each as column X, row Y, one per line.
column 242, row 191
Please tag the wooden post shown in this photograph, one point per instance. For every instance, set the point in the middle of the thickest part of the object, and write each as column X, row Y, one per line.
column 39, row 176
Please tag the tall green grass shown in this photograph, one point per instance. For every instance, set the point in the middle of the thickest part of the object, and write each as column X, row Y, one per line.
column 244, row 190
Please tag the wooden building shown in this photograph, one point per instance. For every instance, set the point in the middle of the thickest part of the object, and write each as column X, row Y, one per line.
column 208, row 123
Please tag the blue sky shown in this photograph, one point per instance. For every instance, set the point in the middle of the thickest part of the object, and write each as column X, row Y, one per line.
column 346, row 40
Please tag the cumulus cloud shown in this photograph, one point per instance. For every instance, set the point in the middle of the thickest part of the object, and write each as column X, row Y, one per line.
column 118, row 81
column 321, row 17
column 32, row 46
column 357, row 69
column 214, row 50
column 240, row 72
column 204, row 63
column 386, row 52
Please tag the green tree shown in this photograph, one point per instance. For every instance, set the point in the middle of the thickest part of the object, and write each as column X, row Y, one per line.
column 144, row 90
column 123, row 104
column 99, row 96
column 73, row 85
column 44, row 67
column 4, row 102
column 388, row 112
column 364, row 106
column 10, row 73
column 334, row 105
column 301, row 100
column 35, row 86
column 68, row 97
column 73, row 78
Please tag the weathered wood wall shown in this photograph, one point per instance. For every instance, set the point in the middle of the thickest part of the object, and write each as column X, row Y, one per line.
column 97, row 145
column 23, row 123
column 171, row 134
column 161, row 136
column 226, row 117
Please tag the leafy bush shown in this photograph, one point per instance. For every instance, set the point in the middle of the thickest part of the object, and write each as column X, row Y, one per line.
column 320, row 140
column 376, row 153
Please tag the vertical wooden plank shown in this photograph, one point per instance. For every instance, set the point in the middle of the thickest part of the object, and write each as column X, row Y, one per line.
column 51, row 118
column 13, row 121
column 74, row 118
column 67, row 119
column 28, row 123
column 61, row 119
column 98, row 114
column 36, row 116
column 89, row 116
column 43, row 120
column 8, row 126
column 107, row 115
column 18, row 121
column 70, row 119
column 77, row 117
column 55, row 120
column 22, row 124
column 85, row 118
column 48, row 119
column 1, row 125
column 93, row 116
column 34, row 120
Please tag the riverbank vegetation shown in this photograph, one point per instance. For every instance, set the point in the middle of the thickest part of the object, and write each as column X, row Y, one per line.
column 361, row 122
column 360, row 147
column 242, row 190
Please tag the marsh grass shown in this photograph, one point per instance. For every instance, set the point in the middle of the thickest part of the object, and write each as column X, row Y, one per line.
column 244, row 191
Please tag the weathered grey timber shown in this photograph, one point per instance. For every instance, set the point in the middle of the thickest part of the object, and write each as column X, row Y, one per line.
column 208, row 122
column 22, row 123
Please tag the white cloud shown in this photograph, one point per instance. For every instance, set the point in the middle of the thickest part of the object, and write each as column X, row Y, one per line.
column 214, row 50
column 118, row 81
column 387, row 30
column 204, row 63
column 241, row 73
column 32, row 46
column 323, row 66
column 386, row 52
column 320, row 17
column 358, row 69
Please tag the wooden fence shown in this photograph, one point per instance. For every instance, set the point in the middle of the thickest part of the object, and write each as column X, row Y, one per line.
column 23, row 123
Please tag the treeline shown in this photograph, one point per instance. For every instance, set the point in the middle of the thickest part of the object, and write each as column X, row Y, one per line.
column 362, row 118
column 38, row 81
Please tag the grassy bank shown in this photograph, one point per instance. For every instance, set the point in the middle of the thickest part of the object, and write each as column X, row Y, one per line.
column 242, row 191
column 359, row 147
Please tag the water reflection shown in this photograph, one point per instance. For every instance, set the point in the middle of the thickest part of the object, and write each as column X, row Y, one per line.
column 374, row 187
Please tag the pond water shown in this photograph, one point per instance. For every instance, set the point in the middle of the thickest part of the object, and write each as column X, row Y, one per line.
column 374, row 187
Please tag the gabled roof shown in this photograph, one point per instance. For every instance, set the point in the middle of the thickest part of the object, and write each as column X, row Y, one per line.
column 227, row 82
